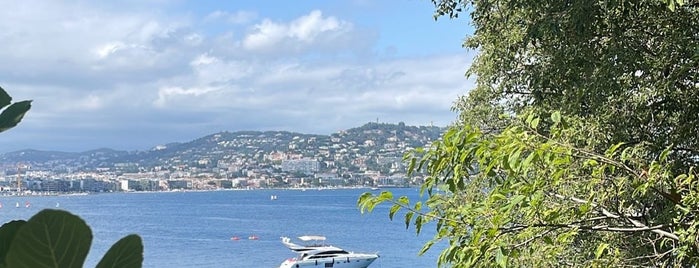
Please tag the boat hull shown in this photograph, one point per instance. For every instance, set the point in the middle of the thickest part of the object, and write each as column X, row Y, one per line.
column 339, row 262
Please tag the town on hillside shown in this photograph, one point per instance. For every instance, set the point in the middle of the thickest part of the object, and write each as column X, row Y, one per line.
column 367, row 156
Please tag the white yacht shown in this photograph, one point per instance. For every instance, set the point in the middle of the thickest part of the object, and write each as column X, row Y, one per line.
column 318, row 254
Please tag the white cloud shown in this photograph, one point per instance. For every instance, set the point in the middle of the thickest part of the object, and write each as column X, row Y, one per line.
column 209, row 69
column 297, row 35
column 176, row 92
column 237, row 17
column 308, row 27
column 105, row 50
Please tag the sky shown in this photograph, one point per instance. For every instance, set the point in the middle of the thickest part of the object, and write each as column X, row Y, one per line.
column 134, row 74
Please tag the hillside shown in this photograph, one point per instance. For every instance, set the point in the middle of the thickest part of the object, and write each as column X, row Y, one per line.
column 370, row 142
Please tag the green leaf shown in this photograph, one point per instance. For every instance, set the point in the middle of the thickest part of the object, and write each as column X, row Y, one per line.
column 393, row 211
column 548, row 240
column 600, row 250
column 5, row 99
column 516, row 200
column 51, row 238
column 385, row 196
column 408, row 218
column 418, row 206
column 426, row 247
column 411, row 166
column 418, row 223
column 11, row 116
column 529, row 119
column 7, row 234
column 556, row 117
column 500, row 258
column 363, row 202
column 611, row 150
column 665, row 153
column 535, row 123
column 403, row 200
column 126, row 253
column 513, row 160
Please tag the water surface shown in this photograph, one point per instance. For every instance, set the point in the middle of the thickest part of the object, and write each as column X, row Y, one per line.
column 194, row 229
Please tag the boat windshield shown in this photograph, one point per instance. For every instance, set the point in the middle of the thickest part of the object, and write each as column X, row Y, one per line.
column 328, row 254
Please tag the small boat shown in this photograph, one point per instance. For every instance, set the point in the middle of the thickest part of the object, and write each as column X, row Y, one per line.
column 318, row 254
column 253, row 237
column 27, row 204
column 272, row 197
column 235, row 238
column 17, row 204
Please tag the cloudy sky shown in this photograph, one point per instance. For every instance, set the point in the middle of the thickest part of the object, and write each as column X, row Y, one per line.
column 133, row 74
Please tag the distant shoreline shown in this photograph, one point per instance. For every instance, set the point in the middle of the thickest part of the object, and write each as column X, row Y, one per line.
column 46, row 194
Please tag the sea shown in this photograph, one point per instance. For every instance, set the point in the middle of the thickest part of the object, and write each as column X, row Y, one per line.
column 195, row 229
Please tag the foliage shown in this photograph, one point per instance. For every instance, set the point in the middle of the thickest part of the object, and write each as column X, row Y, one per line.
column 14, row 113
column 578, row 145
column 522, row 198
column 55, row 238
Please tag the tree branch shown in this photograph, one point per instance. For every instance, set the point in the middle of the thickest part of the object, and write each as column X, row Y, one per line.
column 639, row 226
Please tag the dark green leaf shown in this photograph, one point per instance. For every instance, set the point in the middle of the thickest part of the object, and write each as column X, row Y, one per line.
column 11, row 116
column 548, row 240
column 408, row 218
column 126, row 253
column 5, row 99
column 51, row 238
column 418, row 223
column 7, row 234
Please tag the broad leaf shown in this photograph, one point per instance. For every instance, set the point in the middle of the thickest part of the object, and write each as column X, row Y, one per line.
column 11, row 116
column 126, row 253
column 5, row 99
column 51, row 238
column 7, row 234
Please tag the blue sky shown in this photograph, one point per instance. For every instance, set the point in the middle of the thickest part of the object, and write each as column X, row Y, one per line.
column 130, row 75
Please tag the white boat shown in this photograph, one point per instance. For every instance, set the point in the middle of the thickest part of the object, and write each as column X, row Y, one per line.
column 318, row 254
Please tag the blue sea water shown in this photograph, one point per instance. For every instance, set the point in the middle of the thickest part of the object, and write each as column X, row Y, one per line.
column 194, row 229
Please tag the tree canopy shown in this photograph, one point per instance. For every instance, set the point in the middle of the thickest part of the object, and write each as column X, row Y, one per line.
column 578, row 144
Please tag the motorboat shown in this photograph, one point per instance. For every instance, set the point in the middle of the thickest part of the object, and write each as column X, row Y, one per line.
column 316, row 253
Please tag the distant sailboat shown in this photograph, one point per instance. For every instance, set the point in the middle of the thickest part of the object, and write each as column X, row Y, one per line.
column 17, row 204
column 57, row 205
column 27, row 204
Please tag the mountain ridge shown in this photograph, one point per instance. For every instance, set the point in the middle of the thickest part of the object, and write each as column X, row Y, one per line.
column 373, row 139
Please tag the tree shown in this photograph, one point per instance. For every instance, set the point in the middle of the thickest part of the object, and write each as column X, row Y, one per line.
column 578, row 145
